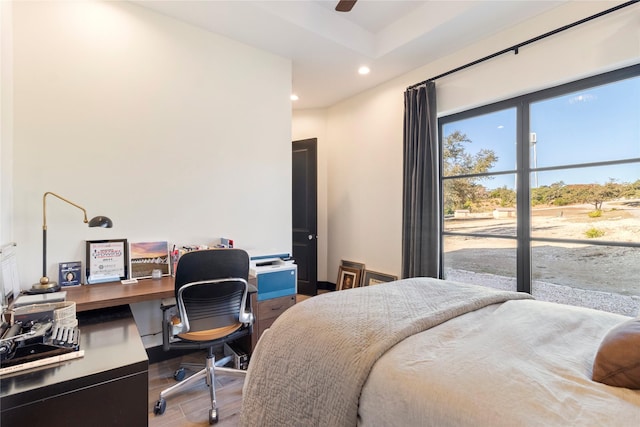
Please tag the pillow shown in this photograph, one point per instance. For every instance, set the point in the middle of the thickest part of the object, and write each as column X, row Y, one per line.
column 617, row 361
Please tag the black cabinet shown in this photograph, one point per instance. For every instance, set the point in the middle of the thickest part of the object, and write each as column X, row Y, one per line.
column 106, row 387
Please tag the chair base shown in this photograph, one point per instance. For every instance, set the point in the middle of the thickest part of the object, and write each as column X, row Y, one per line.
column 208, row 373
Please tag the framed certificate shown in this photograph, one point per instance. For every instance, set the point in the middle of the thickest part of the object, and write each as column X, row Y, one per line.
column 107, row 260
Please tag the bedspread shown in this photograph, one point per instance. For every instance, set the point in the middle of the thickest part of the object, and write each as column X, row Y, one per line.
column 520, row 363
column 309, row 368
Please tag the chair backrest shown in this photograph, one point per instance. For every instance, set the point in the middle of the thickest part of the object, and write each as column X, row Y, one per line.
column 211, row 264
column 211, row 288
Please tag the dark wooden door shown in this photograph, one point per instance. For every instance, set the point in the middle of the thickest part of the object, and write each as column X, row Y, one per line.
column 305, row 214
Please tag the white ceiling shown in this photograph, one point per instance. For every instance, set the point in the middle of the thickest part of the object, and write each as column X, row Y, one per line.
column 327, row 47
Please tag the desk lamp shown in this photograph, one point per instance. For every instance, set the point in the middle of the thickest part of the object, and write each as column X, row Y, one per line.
column 100, row 221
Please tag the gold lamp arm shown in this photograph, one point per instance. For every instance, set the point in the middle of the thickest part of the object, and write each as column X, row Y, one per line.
column 44, row 208
column 95, row 222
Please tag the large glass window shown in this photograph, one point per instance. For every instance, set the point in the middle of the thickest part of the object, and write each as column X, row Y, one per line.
column 541, row 193
column 479, row 197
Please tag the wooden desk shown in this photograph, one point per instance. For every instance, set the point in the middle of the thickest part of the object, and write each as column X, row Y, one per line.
column 102, row 295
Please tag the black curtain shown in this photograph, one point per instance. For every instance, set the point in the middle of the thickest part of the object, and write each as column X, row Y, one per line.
column 421, row 217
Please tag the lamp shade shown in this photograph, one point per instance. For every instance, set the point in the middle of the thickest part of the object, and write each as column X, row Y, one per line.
column 101, row 221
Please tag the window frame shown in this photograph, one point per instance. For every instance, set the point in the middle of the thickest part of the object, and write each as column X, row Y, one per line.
column 524, row 170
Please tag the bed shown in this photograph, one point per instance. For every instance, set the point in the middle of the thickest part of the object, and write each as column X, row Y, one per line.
column 433, row 352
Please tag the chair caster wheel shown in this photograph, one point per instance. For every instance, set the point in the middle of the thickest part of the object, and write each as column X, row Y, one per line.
column 179, row 374
column 160, row 407
column 213, row 416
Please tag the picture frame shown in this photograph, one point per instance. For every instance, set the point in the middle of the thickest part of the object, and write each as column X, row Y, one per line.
column 357, row 265
column 70, row 273
column 373, row 278
column 106, row 260
column 144, row 257
column 352, row 264
column 348, row 278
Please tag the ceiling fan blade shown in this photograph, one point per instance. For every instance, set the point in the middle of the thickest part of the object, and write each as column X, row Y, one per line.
column 345, row 5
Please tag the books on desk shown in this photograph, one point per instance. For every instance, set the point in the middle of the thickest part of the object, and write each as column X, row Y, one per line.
column 24, row 299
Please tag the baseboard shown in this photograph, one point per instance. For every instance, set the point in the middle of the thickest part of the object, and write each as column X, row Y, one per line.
column 326, row 286
column 157, row 354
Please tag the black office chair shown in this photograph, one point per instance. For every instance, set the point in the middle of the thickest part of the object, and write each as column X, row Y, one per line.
column 210, row 309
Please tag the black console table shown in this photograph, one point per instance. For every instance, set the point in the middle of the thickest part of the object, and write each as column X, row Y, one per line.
column 106, row 387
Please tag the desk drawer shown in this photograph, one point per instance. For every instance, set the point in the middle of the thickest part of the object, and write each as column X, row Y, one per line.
column 272, row 308
column 266, row 312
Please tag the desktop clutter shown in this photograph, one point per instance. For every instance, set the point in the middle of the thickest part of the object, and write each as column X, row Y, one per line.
column 35, row 329
column 41, row 328
column 40, row 325
column 38, row 334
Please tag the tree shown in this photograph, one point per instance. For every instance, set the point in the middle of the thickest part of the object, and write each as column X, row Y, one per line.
column 631, row 190
column 596, row 194
column 458, row 162
column 506, row 196
column 555, row 194
column 610, row 191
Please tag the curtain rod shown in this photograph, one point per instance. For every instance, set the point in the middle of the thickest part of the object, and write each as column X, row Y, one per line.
column 516, row 47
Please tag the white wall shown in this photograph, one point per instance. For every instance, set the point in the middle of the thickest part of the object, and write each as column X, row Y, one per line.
column 175, row 133
column 364, row 134
column 6, row 121
column 365, row 181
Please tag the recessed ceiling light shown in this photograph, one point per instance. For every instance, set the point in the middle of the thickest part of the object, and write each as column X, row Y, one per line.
column 294, row 97
column 363, row 70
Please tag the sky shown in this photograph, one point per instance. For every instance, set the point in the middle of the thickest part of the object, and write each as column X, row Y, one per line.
column 593, row 125
column 149, row 249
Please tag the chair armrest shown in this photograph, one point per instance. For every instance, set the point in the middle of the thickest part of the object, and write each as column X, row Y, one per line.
column 246, row 317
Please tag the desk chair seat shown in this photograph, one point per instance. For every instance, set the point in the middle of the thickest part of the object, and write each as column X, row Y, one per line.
column 211, row 334
column 210, row 309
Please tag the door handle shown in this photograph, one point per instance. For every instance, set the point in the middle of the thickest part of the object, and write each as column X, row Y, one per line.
column 310, row 237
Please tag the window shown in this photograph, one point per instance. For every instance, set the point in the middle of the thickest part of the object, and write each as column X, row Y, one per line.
column 541, row 193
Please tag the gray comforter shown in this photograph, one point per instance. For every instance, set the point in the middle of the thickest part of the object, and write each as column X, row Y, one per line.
column 519, row 363
column 310, row 367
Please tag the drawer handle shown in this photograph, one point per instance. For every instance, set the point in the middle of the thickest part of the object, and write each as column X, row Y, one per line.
column 276, row 308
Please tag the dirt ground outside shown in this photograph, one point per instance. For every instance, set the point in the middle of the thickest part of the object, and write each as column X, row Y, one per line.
column 598, row 274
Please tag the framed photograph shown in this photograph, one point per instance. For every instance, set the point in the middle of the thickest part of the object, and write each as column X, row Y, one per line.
column 352, row 264
column 107, row 260
column 373, row 278
column 70, row 273
column 148, row 256
column 356, row 265
column 348, row 278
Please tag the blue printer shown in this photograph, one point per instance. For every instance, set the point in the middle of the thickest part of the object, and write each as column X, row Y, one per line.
column 276, row 275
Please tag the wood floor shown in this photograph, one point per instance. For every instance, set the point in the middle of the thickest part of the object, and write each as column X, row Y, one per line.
column 191, row 407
